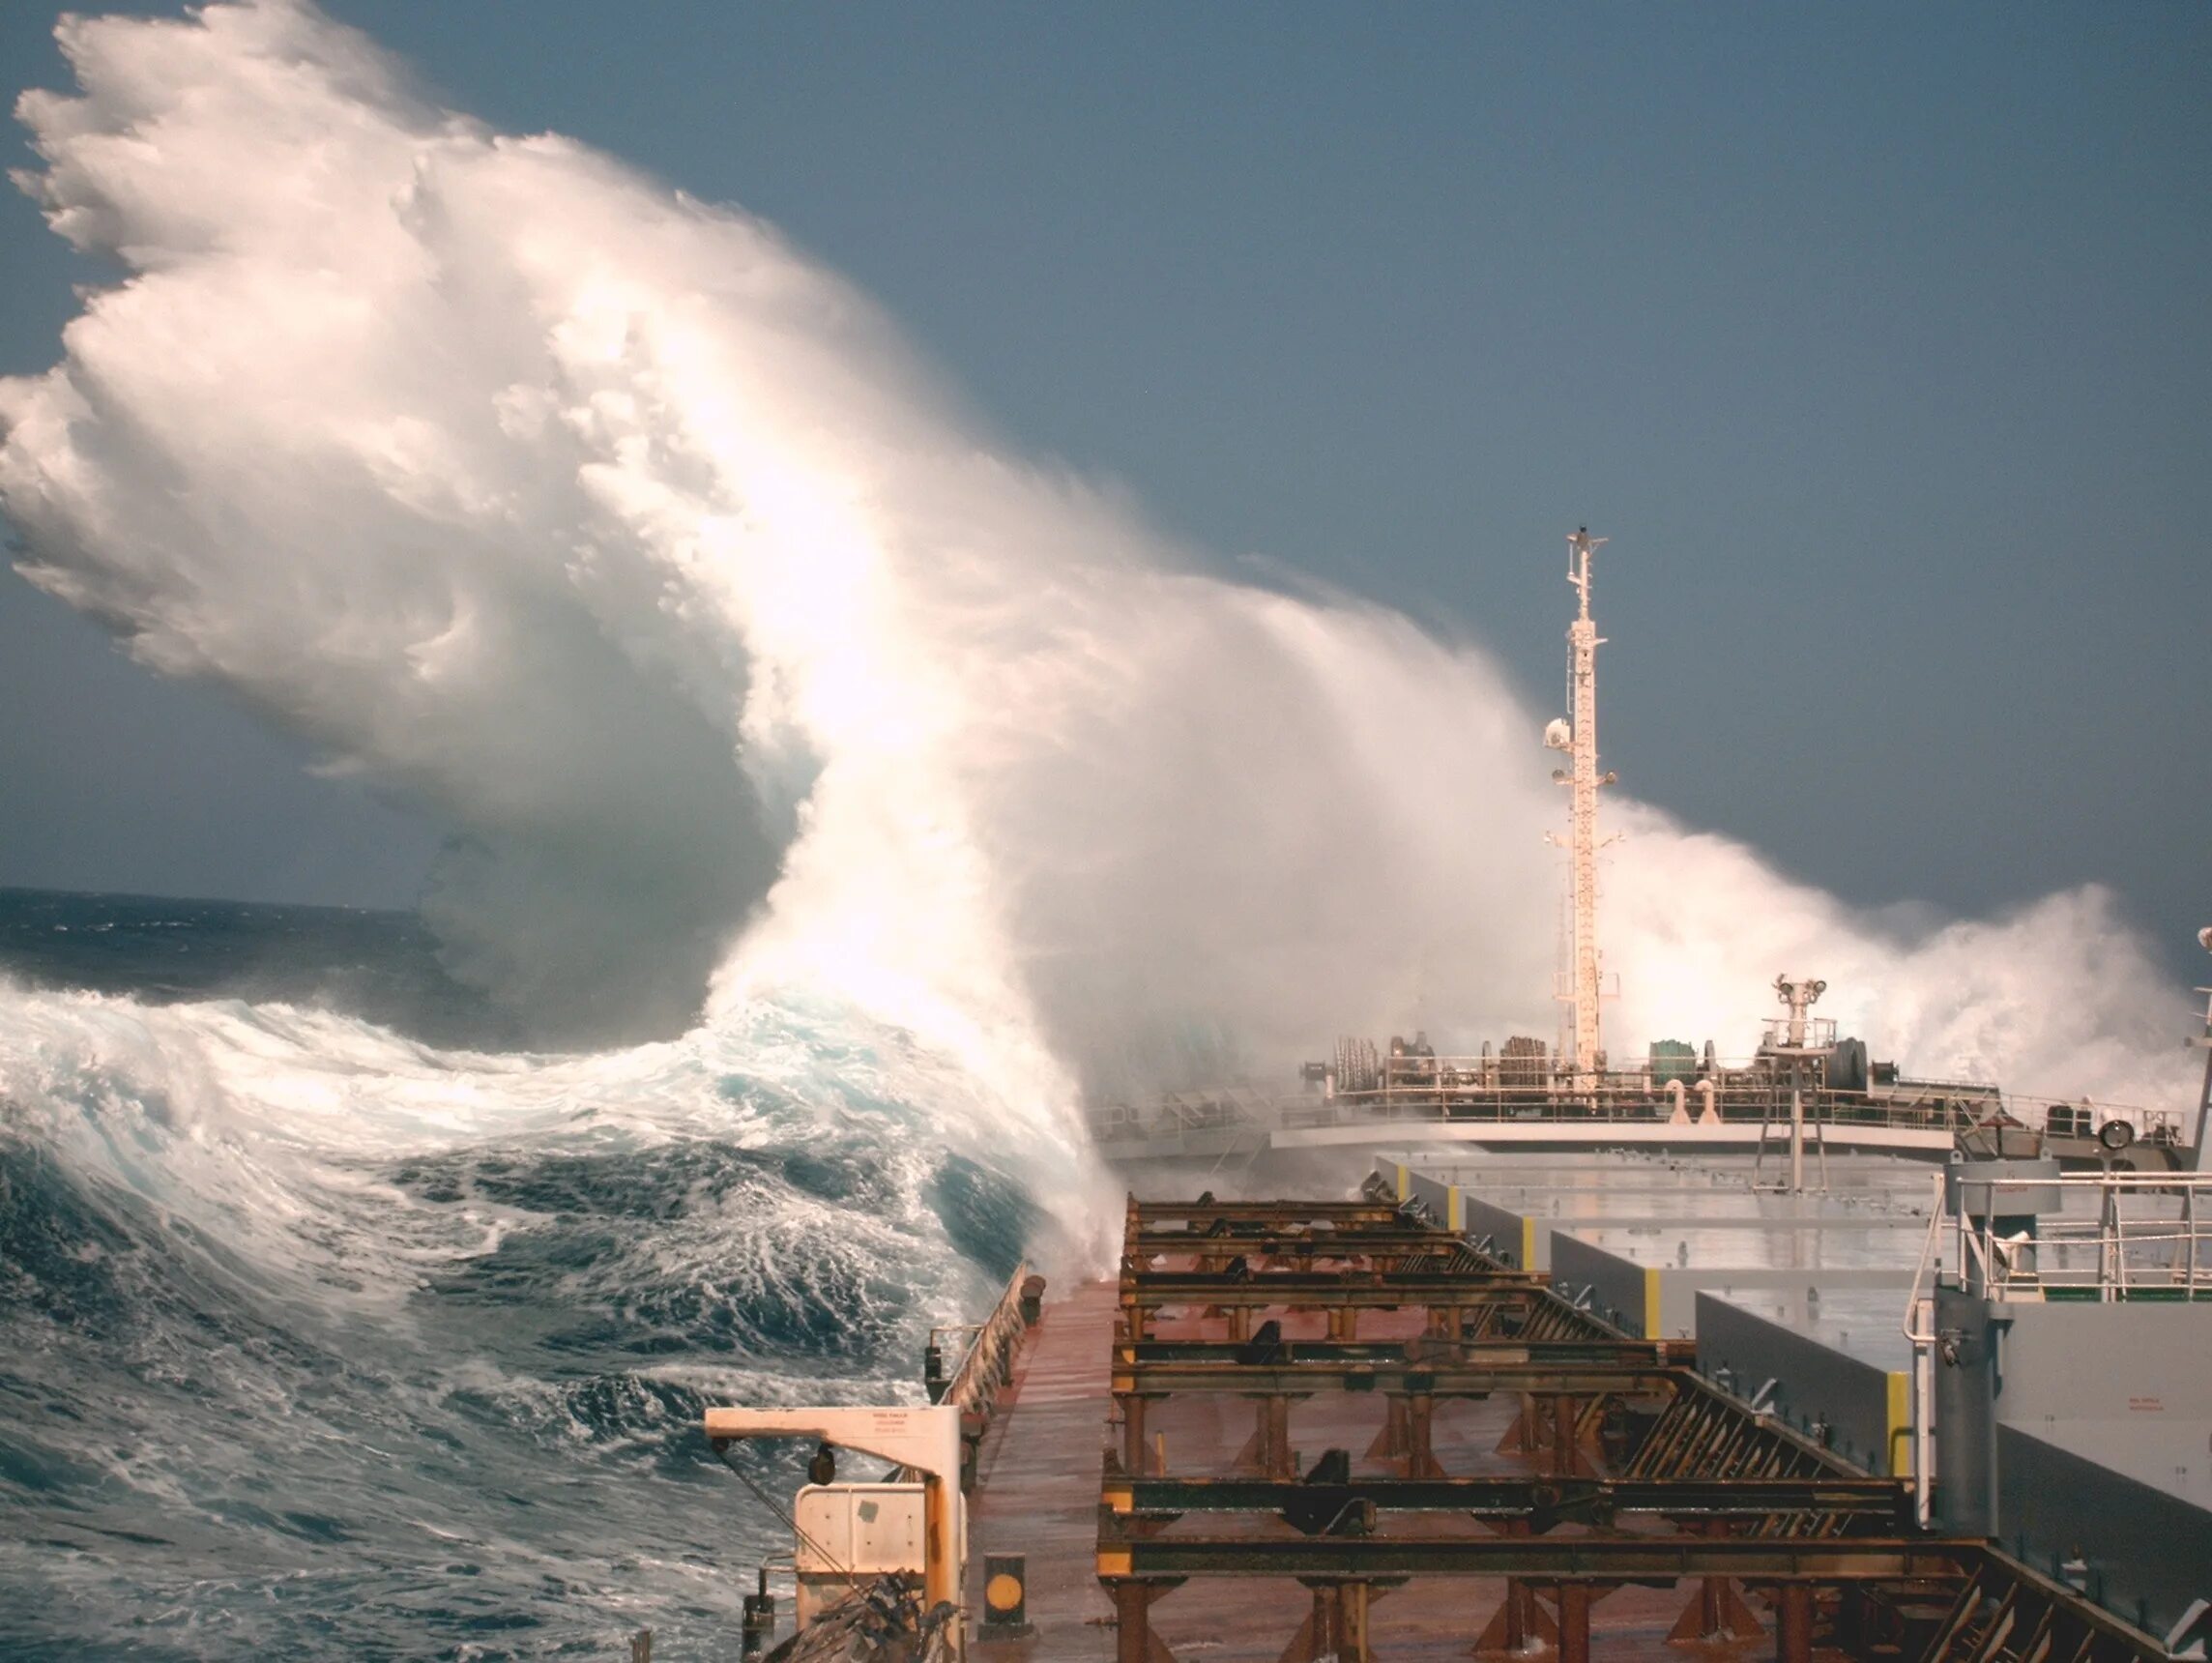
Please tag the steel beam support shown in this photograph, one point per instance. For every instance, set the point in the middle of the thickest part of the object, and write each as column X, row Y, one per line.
column 1421, row 1423
column 1575, row 1598
column 1133, row 1623
column 1274, row 1439
column 1517, row 1440
column 1390, row 1442
column 1133, row 1460
column 1793, row 1623
column 1437, row 1289
column 1338, row 1628
column 1520, row 1623
column 1571, row 1382
column 1542, row 1559
column 1292, row 1240
column 1280, row 1213
column 1716, row 1501
column 1566, row 1437
column 1717, row 1610
column 1424, row 1352
column 1352, row 1601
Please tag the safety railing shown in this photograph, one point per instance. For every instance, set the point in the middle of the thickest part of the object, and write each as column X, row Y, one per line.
column 1514, row 1086
column 2114, row 1236
column 1488, row 1089
column 983, row 1352
column 1449, row 1093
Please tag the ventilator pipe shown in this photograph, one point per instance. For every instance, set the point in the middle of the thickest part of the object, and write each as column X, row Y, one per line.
column 1677, row 1115
column 1707, row 1090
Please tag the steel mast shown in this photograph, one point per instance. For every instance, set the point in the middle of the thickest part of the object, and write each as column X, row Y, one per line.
column 1582, row 781
column 2204, row 1101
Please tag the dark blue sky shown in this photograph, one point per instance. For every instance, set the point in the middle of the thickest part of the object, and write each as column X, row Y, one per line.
column 1877, row 338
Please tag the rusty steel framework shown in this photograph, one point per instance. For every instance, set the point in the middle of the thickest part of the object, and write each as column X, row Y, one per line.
column 1657, row 1476
column 2009, row 1613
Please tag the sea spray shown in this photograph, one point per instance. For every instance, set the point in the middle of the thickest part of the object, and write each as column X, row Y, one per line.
column 612, row 530
column 833, row 793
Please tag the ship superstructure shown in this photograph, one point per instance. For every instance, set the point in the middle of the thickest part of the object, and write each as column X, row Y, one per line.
column 1806, row 1089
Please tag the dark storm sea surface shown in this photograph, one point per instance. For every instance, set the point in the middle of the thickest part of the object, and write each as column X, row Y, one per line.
column 382, row 966
column 394, row 1394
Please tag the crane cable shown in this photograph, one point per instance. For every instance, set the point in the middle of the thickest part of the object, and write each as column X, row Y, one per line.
column 852, row 1577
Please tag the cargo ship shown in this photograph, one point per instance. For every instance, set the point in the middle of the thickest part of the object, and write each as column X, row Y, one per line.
column 1611, row 1404
column 1526, row 1353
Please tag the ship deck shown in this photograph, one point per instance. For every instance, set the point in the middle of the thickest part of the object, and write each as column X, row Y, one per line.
column 1038, row 1485
column 1037, row 1482
column 1299, row 1431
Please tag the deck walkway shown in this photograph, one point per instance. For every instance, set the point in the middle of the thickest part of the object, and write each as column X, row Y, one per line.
column 1037, row 1483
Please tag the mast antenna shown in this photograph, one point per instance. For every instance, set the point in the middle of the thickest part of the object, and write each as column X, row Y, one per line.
column 1577, row 738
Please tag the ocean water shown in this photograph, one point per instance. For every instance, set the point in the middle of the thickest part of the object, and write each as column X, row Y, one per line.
column 324, row 1336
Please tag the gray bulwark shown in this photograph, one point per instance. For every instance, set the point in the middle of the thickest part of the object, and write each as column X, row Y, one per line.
column 1834, row 1365
column 1648, row 1282
column 2141, row 1552
column 1634, row 1236
column 1514, row 1205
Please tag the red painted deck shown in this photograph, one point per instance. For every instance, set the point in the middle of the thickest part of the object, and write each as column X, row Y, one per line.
column 1038, row 1495
column 1037, row 1479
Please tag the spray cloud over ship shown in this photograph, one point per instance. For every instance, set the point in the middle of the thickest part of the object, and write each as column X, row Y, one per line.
column 631, row 542
column 849, row 782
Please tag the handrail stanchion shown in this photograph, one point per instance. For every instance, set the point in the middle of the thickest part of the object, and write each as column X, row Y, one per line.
column 1919, row 1330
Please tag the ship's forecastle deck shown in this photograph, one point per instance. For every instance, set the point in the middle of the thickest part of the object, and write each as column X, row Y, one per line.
column 1296, row 1431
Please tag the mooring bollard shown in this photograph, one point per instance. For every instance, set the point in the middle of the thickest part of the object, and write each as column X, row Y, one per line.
column 1033, row 1299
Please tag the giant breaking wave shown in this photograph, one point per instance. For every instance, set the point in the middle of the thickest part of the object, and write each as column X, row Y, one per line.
column 836, row 790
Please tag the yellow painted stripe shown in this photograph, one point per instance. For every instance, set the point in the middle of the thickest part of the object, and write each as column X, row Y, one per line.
column 1402, row 1186
column 1118, row 1497
column 1452, row 1215
column 1113, row 1562
column 1527, row 1244
column 1899, row 1425
column 1651, row 1330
